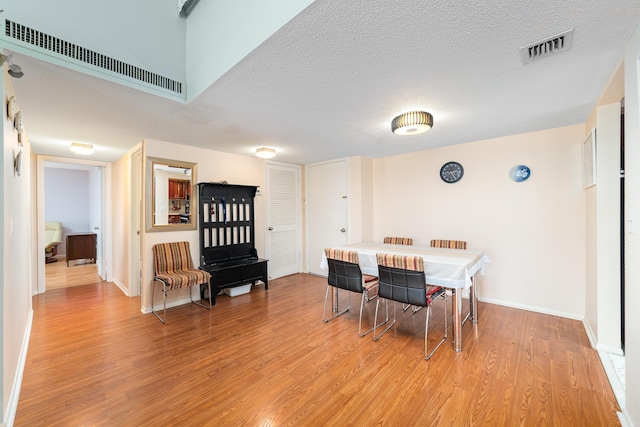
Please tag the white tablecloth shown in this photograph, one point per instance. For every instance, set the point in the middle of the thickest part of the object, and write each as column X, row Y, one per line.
column 451, row 268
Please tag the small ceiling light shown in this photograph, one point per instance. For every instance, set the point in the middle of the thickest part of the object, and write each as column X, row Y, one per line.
column 412, row 123
column 79, row 148
column 265, row 152
column 14, row 70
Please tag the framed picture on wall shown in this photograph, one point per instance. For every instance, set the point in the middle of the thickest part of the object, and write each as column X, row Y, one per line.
column 589, row 160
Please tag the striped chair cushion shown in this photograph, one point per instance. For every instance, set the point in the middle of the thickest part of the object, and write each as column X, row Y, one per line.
column 451, row 244
column 371, row 284
column 174, row 266
column 182, row 278
column 414, row 263
column 342, row 255
column 399, row 240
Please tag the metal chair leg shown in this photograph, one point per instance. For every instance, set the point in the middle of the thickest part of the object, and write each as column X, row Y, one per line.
column 164, row 300
column 364, row 297
column 153, row 295
column 427, row 355
column 199, row 303
column 324, row 310
column 375, row 319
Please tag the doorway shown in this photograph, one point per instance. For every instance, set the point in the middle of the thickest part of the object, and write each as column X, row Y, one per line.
column 81, row 198
column 282, row 234
column 327, row 210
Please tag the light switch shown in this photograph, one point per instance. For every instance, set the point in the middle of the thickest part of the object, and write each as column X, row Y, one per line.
column 631, row 223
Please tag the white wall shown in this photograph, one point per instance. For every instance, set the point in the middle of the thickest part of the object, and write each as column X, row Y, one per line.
column 66, row 200
column 16, row 259
column 221, row 33
column 360, row 199
column 213, row 166
column 632, row 238
column 121, row 195
column 532, row 231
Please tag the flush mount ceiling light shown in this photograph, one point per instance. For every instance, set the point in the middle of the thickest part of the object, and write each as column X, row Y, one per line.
column 79, row 148
column 412, row 123
column 265, row 152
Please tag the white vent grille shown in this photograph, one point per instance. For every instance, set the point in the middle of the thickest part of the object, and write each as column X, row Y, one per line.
column 69, row 50
column 544, row 48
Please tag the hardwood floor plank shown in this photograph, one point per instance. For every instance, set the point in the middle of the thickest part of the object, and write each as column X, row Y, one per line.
column 266, row 358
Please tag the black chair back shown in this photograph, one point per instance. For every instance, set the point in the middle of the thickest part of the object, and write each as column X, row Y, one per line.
column 344, row 275
column 406, row 286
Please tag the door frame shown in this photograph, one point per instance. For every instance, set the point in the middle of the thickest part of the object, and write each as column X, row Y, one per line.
column 137, row 190
column 107, row 240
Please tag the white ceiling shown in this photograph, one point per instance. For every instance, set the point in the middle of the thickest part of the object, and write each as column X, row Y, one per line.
column 328, row 84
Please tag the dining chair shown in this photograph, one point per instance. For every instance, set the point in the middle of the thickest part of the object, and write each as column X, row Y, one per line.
column 402, row 279
column 451, row 244
column 402, row 241
column 345, row 273
column 173, row 269
column 398, row 240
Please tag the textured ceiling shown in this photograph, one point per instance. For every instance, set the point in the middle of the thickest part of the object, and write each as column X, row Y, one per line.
column 328, row 83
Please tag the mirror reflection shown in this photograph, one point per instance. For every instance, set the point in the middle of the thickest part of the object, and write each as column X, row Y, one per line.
column 172, row 194
column 169, row 195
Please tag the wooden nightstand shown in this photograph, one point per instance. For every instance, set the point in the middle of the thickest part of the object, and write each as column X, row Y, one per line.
column 81, row 246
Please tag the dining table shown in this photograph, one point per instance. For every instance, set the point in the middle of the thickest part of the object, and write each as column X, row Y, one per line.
column 453, row 269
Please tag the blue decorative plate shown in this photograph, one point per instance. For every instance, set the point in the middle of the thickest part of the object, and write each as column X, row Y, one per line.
column 520, row 173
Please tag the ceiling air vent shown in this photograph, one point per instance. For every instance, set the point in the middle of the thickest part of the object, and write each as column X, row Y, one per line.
column 61, row 47
column 547, row 47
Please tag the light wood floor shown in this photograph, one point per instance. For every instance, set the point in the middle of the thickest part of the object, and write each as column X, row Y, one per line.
column 267, row 359
column 57, row 275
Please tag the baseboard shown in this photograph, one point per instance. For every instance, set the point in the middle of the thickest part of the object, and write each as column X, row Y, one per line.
column 616, row 385
column 170, row 304
column 12, row 404
column 535, row 309
column 122, row 287
column 625, row 420
column 590, row 334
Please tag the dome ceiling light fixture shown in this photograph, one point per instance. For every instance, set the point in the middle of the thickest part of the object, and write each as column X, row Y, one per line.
column 80, row 148
column 265, row 152
column 13, row 70
column 412, row 123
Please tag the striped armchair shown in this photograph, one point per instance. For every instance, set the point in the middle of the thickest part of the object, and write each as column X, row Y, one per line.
column 399, row 240
column 345, row 273
column 173, row 269
column 402, row 279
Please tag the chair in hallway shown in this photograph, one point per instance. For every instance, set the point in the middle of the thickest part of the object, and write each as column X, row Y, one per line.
column 173, row 269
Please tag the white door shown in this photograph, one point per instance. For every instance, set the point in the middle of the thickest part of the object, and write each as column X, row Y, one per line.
column 282, row 237
column 327, row 213
column 95, row 215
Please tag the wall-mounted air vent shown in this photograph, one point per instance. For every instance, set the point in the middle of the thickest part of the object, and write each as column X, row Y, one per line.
column 547, row 47
column 69, row 50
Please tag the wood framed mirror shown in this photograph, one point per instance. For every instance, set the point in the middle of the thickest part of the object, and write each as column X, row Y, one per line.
column 170, row 195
